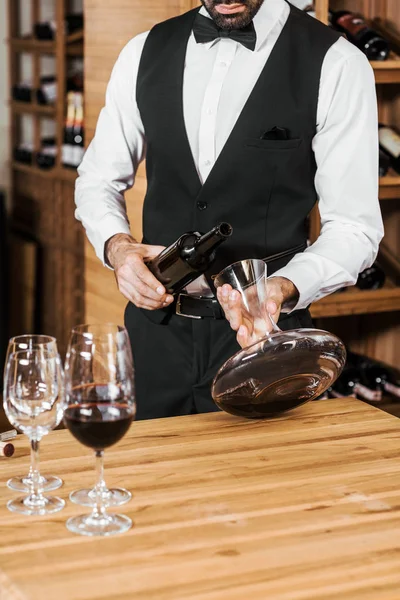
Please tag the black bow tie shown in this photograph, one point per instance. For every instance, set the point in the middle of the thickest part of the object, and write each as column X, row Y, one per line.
column 205, row 30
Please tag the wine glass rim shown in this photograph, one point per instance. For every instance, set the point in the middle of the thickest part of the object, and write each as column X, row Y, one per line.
column 47, row 339
column 79, row 329
column 236, row 264
column 33, row 352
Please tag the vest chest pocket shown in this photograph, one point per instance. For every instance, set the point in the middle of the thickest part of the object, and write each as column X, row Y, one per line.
column 277, row 145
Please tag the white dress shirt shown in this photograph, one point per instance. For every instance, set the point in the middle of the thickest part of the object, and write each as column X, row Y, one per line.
column 218, row 79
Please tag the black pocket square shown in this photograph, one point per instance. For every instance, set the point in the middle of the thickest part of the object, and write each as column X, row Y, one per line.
column 276, row 133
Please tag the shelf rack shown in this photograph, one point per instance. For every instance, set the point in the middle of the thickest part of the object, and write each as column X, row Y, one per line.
column 387, row 299
column 43, row 199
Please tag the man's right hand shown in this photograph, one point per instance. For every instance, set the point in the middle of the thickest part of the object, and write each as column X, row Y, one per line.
column 134, row 279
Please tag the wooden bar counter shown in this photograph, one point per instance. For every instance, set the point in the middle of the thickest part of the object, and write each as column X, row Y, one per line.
column 301, row 507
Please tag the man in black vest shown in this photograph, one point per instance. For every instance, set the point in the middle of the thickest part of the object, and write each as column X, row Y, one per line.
column 247, row 111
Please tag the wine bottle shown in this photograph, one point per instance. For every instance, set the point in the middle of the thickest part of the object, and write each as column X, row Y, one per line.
column 47, row 30
column 23, row 153
column 187, row 258
column 389, row 143
column 47, row 93
column 384, row 163
column 378, row 377
column 46, row 157
column 350, row 384
column 67, row 157
column 22, row 92
column 374, row 46
column 78, row 131
column 372, row 278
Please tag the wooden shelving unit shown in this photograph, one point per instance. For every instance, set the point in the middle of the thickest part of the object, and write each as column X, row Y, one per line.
column 43, row 199
column 20, row 108
column 389, row 186
column 387, row 73
column 74, row 45
column 357, row 302
column 55, row 173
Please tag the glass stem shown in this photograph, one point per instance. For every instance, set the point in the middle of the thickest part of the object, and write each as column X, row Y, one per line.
column 36, row 497
column 99, row 509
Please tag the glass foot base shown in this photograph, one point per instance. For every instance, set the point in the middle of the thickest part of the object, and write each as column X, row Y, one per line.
column 23, row 505
column 113, row 497
column 48, row 483
column 105, row 525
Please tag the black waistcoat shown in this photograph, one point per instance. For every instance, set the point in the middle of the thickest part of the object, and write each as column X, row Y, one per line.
column 263, row 188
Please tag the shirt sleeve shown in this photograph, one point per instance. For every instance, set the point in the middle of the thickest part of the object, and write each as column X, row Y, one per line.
column 346, row 153
column 110, row 163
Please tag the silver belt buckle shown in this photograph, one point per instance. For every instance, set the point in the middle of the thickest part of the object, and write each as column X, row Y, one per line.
column 179, row 312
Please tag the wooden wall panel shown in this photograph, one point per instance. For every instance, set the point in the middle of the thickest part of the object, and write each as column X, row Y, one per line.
column 108, row 27
column 52, row 242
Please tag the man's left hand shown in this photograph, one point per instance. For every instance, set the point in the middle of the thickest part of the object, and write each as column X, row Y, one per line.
column 279, row 290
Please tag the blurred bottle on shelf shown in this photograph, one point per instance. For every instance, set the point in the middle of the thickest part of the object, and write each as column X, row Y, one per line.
column 46, row 157
column 68, row 145
column 23, row 153
column 372, row 278
column 73, row 146
column 350, row 383
column 384, row 163
column 47, row 93
column 389, row 144
column 47, row 29
column 78, row 137
column 375, row 374
column 22, row 92
column 357, row 31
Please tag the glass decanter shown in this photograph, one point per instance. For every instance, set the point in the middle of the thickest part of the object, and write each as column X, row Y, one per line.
column 280, row 370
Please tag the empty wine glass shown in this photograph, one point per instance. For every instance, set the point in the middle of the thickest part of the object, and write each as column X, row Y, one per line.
column 279, row 370
column 33, row 403
column 249, row 277
column 47, row 344
column 100, row 405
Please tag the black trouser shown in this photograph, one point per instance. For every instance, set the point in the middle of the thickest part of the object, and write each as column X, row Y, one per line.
column 175, row 363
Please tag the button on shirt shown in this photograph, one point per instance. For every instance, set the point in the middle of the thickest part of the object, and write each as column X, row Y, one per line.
column 218, row 79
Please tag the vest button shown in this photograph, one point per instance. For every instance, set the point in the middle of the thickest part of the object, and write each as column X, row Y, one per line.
column 201, row 205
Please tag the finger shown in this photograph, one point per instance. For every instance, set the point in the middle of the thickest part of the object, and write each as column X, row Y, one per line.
column 146, row 291
column 127, row 277
column 234, row 311
column 146, row 277
column 152, row 251
column 272, row 307
column 242, row 336
column 223, row 296
column 131, row 291
column 140, row 301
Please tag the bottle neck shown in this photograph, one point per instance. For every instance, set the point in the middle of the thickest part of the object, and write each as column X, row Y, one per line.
column 207, row 243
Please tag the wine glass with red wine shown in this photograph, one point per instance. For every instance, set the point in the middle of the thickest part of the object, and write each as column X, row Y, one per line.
column 100, row 406
column 47, row 345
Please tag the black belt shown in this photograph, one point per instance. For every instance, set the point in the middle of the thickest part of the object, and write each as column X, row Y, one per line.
column 200, row 307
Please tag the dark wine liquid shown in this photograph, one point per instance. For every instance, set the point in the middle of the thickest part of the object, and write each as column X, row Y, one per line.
column 279, row 376
column 271, row 401
column 98, row 425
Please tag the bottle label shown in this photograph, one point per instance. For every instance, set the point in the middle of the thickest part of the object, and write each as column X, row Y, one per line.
column 77, row 155
column 68, row 154
column 392, row 389
column 367, row 393
column 390, row 141
column 352, row 23
column 50, row 91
